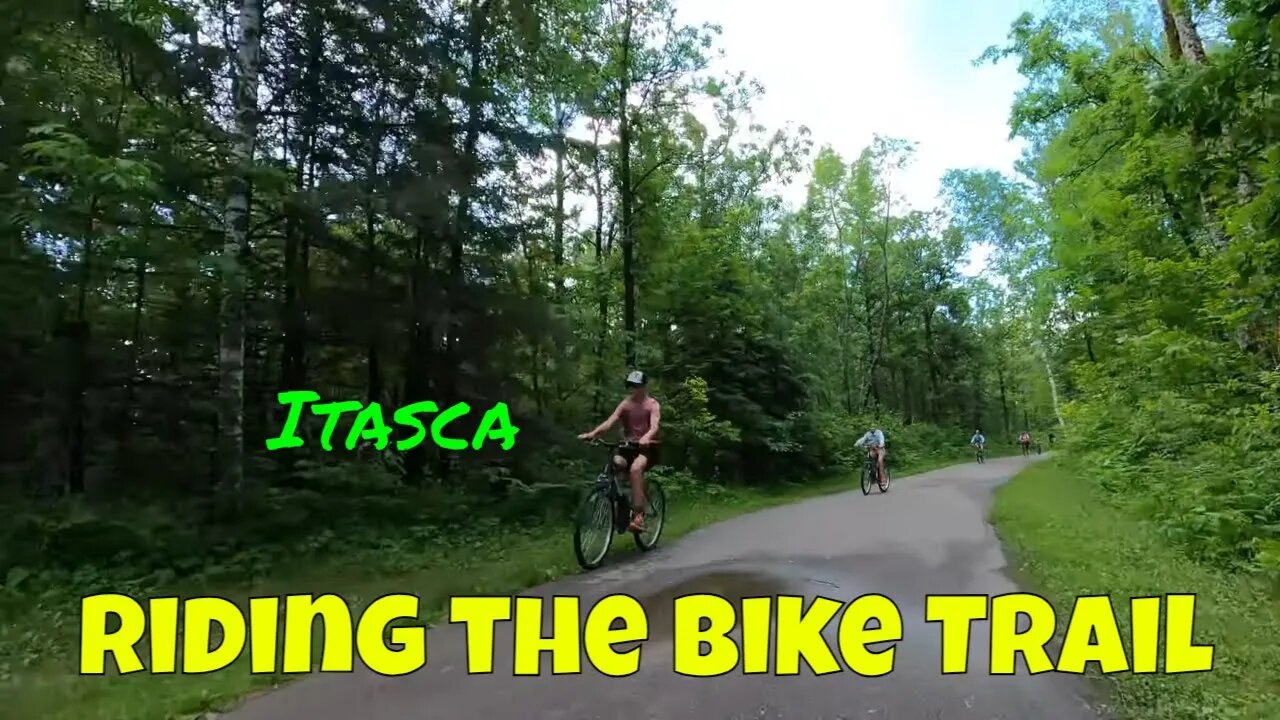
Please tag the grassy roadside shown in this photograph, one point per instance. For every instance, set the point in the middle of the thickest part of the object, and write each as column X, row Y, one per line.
column 1065, row 542
column 507, row 561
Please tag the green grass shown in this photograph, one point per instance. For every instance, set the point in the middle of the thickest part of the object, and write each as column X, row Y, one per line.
column 44, row 683
column 1066, row 541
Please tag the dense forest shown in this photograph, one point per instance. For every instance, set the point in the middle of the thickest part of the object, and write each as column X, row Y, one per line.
column 204, row 205
column 1151, row 255
column 489, row 202
column 481, row 203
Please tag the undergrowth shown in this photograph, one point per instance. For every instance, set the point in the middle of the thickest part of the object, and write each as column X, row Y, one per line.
column 1068, row 537
column 449, row 545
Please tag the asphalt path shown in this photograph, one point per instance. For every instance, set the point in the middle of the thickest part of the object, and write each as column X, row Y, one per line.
column 927, row 535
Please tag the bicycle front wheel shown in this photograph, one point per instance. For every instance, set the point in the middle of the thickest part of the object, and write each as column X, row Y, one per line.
column 867, row 479
column 593, row 528
column 655, row 516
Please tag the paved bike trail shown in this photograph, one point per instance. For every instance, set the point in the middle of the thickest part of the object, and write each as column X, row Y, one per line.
column 927, row 535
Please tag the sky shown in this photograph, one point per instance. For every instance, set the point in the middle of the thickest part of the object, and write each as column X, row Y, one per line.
column 849, row 69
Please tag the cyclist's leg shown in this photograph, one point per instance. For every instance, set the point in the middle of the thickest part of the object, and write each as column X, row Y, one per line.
column 651, row 457
column 880, row 459
column 636, row 477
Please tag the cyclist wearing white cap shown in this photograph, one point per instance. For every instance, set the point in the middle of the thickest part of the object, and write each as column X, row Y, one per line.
column 639, row 414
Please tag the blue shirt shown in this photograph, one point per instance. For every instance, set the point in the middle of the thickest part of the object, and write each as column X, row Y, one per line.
column 978, row 440
column 872, row 437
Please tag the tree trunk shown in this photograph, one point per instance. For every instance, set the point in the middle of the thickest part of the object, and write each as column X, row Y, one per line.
column 79, row 337
column 602, row 289
column 373, row 383
column 873, row 390
column 373, row 370
column 557, row 232
column 869, row 326
column 1192, row 48
column 1171, row 38
column 627, row 196
column 846, row 383
column 931, row 398
column 1004, row 398
column 1178, row 20
column 1053, row 383
column 417, row 365
column 128, row 411
column 235, row 247
column 293, row 373
column 462, row 227
column 977, row 398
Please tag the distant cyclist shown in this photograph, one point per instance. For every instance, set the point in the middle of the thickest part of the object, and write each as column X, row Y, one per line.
column 874, row 441
column 1050, row 439
column 1025, row 441
column 978, row 440
column 639, row 414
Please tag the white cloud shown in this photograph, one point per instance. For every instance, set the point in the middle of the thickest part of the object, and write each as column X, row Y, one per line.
column 849, row 69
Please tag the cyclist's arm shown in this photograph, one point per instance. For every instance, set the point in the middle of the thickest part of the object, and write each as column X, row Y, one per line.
column 609, row 422
column 655, row 416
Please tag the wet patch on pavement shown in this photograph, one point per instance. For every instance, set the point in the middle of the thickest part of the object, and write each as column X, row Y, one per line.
column 732, row 584
column 927, row 537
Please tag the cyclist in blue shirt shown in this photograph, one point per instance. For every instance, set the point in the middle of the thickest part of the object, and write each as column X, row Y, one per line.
column 874, row 441
column 978, row 440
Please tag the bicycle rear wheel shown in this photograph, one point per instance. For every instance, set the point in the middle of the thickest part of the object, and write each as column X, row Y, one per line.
column 593, row 528
column 655, row 517
column 866, row 479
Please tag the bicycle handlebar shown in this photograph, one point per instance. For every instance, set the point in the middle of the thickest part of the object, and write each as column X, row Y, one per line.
column 597, row 442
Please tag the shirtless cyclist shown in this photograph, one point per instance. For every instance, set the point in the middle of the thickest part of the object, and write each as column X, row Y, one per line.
column 639, row 414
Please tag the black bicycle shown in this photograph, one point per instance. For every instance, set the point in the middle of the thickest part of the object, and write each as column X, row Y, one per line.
column 870, row 471
column 606, row 511
column 982, row 454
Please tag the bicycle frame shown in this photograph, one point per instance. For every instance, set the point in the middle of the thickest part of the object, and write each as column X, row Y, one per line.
column 611, row 486
column 618, row 495
column 871, row 469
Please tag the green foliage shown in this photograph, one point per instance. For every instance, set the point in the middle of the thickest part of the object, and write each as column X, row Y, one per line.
column 1066, row 540
column 1155, row 259
column 442, row 206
